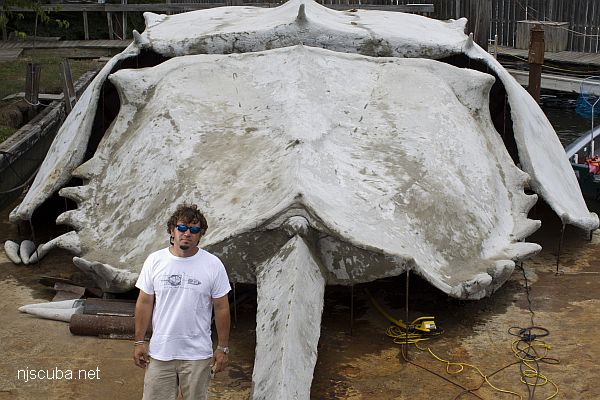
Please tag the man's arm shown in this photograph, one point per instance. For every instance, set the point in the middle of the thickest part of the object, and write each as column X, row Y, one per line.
column 222, row 322
column 143, row 315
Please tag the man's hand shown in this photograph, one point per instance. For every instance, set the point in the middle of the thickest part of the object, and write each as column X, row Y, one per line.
column 140, row 355
column 220, row 360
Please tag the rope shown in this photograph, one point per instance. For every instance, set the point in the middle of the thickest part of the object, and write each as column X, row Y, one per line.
column 528, row 349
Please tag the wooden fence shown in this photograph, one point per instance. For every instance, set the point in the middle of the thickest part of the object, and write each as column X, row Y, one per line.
column 583, row 17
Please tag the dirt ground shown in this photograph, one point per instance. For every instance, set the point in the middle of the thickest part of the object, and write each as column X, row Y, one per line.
column 356, row 360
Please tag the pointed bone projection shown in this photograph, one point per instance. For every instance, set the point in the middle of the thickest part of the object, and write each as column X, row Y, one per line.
column 288, row 323
column 69, row 241
column 58, row 311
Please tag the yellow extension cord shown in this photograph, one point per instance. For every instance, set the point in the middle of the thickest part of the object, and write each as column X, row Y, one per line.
column 397, row 331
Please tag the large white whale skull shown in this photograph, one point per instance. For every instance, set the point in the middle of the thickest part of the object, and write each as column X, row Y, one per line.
column 313, row 165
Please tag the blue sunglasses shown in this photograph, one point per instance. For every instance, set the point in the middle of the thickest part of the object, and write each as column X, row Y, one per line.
column 193, row 229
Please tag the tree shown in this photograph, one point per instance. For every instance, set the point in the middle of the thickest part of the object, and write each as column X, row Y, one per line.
column 41, row 15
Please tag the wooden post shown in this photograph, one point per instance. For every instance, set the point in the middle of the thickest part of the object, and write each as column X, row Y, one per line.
column 478, row 14
column 124, row 24
column 86, row 30
column 111, row 35
column 69, row 95
column 3, row 21
column 32, row 87
column 536, row 60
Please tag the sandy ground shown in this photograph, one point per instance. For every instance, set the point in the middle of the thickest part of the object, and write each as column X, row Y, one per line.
column 362, row 364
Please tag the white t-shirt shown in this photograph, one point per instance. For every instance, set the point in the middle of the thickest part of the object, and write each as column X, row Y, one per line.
column 183, row 289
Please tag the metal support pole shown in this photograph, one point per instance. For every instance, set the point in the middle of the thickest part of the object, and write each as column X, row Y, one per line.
column 32, row 231
column 234, row 306
column 351, row 308
column 562, row 232
column 536, row 60
column 406, row 321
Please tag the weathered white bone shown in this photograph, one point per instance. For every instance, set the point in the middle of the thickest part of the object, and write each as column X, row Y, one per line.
column 301, row 18
column 108, row 278
column 68, row 241
column 469, row 43
column 26, row 250
column 288, row 323
column 63, row 304
column 139, row 40
column 58, row 311
column 525, row 228
column 12, row 251
column 73, row 218
column 296, row 225
column 76, row 193
column 151, row 19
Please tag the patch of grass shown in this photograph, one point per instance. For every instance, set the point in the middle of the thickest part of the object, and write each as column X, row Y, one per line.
column 5, row 132
column 12, row 73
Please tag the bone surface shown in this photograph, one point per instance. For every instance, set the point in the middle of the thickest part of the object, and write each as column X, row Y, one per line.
column 26, row 249
column 361, row 174
column 290, row 303
column 12, row 251
column 58, row 311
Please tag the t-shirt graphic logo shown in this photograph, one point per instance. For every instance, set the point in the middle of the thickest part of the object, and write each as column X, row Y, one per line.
column 193, row 281
column 174, row 280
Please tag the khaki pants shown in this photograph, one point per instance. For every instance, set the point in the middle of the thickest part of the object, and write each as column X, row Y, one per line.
column 163, row 378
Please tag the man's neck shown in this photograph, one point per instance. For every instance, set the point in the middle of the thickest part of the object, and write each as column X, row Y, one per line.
column 179, row 252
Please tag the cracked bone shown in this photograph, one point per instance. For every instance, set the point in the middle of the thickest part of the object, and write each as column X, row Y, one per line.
column 12, row 251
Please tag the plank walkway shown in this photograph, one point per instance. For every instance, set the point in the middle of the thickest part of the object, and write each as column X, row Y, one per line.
column 561, row 57
column 10, row 54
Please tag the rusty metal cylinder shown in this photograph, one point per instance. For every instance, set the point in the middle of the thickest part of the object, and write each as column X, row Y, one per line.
column 101, row 325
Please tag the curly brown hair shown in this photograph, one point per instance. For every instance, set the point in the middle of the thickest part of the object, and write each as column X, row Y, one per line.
column 189, row 214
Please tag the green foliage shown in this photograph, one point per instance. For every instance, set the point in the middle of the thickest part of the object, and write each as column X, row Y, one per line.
column 40, row 15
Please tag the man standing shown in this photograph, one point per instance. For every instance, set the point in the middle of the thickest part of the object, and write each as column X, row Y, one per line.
column 179, row 286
